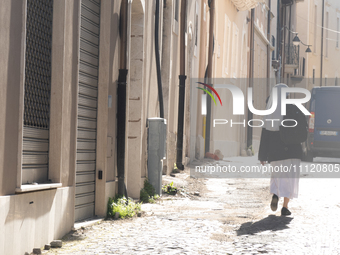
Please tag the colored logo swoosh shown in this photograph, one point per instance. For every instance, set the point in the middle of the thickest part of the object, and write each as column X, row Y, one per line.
column 213, row 90
column 208, row 93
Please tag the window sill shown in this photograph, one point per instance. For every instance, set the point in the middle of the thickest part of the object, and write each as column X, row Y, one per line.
column 175, row 27
column 34, row 187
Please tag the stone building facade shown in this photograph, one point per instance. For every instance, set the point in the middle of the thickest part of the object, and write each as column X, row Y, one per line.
column 60, row 64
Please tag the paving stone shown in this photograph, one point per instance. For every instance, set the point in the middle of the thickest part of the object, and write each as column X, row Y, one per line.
column 56, row 244
column 36, row 251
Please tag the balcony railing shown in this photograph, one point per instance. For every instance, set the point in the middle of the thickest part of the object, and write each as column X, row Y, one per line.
column 300, row 71
column 243, row 5
column 292, row 53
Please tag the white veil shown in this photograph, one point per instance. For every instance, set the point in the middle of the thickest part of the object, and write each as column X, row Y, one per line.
column 269, row 124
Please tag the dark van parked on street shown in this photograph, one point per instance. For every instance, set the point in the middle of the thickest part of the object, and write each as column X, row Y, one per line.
column 324, row 123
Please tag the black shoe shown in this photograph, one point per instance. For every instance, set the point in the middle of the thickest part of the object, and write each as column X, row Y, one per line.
column 285, row 211
column 273, row 204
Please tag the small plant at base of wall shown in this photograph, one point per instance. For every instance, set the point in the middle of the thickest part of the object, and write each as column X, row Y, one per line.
column 147, row 194
column 175, row 170
column 170, row 189
column 123, row 207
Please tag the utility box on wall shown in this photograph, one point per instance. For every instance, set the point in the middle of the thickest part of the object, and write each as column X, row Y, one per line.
column 156, row 151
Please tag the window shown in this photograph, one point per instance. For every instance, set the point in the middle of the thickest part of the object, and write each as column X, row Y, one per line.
column 338, row 31
column 235, row 51
column 263, row 60
column 313, row 75
column 303, row 66
column 259, row 53
column 35, row 163
column 226, row 45
column 207, row 49
column 186, row 19
column 327, row 39
column 175, row 27
column 196, row 25
column 315, row 26
column 243, row 71
column 177, row 10
column 273, row 44
column 204, row 11
column 255, row 60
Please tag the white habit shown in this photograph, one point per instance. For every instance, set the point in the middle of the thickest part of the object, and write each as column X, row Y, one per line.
column 286, row 184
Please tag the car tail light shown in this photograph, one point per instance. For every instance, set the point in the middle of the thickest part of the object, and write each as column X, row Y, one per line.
column 311, row 122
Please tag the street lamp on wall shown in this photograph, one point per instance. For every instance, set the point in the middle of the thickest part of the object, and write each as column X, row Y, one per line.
column 308, row 50
column 296, row 40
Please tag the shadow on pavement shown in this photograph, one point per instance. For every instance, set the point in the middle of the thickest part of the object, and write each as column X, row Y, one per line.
column 272, row 222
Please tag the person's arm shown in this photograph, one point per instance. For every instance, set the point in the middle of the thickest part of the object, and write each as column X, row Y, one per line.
column 263, row 150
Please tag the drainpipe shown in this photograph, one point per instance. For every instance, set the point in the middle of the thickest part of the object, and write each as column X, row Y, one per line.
column 284, row 43
column 268, row 49
column 158, row 64
column 209, row 73
column 321, row 64
column 289, row 51
column 251, row 74
column 181, row 96
column 278, row 43
column 290, row 28
column 121, row 100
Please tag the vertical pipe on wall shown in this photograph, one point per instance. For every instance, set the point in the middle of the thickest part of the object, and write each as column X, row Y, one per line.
column 289, row 50
column 121, row 99
column 290, row 28
column 284, row 43
column 209, row 72
column 181, row 96
column 278, row 43
column 321, row 63
column 268, row 49
column 251, row 74
column 158, row 64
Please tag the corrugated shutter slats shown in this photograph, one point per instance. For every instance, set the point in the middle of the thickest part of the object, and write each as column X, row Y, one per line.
column 87, row 109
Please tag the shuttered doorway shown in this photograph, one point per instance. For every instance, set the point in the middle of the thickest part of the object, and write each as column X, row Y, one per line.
column 87, row 109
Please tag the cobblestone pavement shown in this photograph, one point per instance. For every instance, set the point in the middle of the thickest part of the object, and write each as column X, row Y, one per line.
column 231, row 216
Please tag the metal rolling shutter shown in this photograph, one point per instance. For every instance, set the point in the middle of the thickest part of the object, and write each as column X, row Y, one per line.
column 37, row 91
column 87, row 109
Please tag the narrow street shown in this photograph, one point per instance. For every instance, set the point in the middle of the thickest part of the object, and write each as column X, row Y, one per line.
column 97, row 96
column 230, row 216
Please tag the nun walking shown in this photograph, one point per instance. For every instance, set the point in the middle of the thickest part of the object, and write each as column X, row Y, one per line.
column 280, row 155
